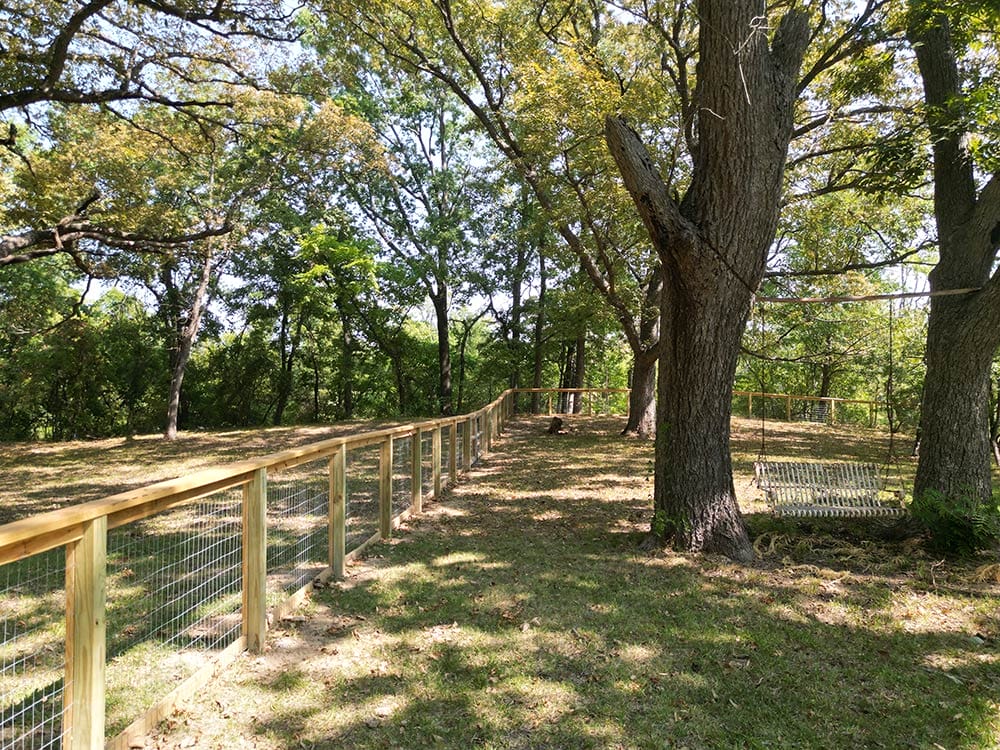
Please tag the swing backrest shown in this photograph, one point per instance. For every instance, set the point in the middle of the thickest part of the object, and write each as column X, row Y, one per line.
column 814, row 489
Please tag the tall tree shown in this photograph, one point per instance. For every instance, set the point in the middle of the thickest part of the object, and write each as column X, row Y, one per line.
column 116, row 55
column 712, row 246
column 419, row 200
column 529, row 75
column 958, row 65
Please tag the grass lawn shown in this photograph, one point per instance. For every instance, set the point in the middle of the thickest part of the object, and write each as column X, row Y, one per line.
column 519, row 613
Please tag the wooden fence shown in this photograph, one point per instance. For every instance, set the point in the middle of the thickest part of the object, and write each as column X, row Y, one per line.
column 229, row 537
column 76, row 701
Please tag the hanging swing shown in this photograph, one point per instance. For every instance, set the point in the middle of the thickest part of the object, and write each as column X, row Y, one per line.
column 819, row 489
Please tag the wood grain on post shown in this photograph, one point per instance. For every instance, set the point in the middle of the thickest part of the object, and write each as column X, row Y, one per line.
column 416, row 472
column 385, row 489
column 338, row 512
column 255, row 561
column 86, row 571
column 436, row 461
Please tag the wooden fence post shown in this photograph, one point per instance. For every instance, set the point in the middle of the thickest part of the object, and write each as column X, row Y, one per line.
column 86, row 572
column 452, row 453
column 487, row 421
column 788, row 408
column 550, row 404
column 833, row 412
column 750, row 405
column 255, row 561
column 436, row 461
column 416, row 471
column 470, row 425
column 338, row 512
column 385, row 489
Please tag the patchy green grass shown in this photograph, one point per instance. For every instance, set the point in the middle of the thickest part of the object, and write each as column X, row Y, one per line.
column 518, row 613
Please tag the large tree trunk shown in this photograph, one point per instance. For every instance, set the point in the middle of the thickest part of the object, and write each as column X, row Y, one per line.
column 695, row 499
column 712, row 247
column 963, row 331
column 642, row 398
column 955, row 413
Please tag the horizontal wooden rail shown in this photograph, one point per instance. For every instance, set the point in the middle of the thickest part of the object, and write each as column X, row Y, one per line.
column 796, row 397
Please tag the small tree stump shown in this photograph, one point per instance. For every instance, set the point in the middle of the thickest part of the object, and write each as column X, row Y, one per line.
column 555, row 426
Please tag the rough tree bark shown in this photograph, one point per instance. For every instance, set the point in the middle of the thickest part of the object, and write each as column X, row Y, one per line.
column 712, row 246
column 963, row 332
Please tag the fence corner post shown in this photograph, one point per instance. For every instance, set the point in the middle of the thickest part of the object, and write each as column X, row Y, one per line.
column 255, row 561
column 86, row 626
column 338, row 511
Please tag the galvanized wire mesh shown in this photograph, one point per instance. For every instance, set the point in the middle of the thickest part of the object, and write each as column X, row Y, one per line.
column 477, row 438
column 427, row 463
column 32, row 655
column 298, row 507
column 445, row 456
column 174, row 585
column 460, row 444
column 362, row 495
column 402, row 468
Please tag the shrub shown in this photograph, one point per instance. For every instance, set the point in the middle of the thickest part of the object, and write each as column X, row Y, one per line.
column 958, row 524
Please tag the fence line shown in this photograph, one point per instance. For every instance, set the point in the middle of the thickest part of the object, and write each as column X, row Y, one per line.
column 175, row 579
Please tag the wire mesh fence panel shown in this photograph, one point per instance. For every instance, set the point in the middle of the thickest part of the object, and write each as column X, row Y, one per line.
column 862, row 415
column 402, row 469
column 361, row 513
column 174, row 584
column 445, row 455
column 427, row 463
column 460, row 444
column 298, row 506
column 769, row 407
column 32, row 651
column 477, row 438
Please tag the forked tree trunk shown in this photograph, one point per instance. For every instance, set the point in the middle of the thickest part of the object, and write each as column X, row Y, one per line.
column 712, row 247
column 963, row 332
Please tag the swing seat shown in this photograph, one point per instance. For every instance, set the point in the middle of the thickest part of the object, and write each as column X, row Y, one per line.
column 811, row 489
